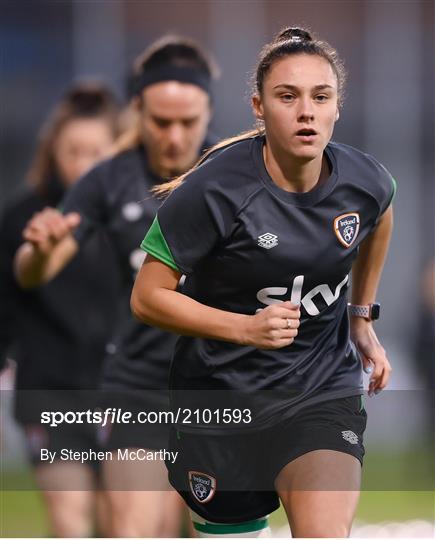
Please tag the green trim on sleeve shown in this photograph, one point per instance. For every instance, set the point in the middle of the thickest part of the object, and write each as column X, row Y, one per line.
column 393, row 194
column 155, row 244
column 393, row 180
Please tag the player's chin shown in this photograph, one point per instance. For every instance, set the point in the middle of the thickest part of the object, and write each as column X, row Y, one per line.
column 306, row 153
column 175, row 167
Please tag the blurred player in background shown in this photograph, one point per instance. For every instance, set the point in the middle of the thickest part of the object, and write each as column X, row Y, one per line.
column 58, row 333
column 425, row 346
column 276, row 220
column 425, row 341
column 171, row 86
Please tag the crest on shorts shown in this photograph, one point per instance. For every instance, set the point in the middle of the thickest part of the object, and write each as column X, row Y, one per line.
column 350, row 437
column 202, row 486
column 346, row 228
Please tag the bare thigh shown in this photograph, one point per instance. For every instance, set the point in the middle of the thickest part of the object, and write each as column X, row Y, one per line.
column 320, row 493
column 71, row 512
column 177, row 515
column 138, row 493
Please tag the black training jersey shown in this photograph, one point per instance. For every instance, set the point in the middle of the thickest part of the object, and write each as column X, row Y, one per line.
column 116, row 196
column 57, row 332
column 244, row 243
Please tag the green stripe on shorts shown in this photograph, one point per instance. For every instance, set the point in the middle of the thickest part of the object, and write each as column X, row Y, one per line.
column 232, row 528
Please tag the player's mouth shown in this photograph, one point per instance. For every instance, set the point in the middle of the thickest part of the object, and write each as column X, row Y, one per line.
column 172, row 156
column 306, row 134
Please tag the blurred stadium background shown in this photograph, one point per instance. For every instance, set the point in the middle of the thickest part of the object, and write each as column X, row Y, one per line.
column 388, row 48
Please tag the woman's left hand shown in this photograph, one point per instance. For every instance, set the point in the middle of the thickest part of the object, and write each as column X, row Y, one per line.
column 373, row 355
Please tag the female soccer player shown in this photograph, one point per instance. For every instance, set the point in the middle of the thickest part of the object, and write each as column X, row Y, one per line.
column 267, row 229
column 57, row 334
column 172, row 96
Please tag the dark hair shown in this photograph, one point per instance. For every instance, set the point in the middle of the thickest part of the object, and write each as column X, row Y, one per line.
column 82, row 100
column 176, row 51
column 292, row 41
column 167, row 51
column 288, row 41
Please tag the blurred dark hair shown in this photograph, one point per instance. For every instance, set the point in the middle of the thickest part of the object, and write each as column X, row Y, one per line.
column 288, row 41
column 169, row 50
column 177, row 51
column 81, row 100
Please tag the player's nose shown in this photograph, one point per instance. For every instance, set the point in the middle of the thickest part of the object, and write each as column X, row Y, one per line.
column 305, row 109
column 175, row 134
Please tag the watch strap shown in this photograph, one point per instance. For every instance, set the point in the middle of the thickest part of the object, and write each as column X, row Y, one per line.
column 359, row 311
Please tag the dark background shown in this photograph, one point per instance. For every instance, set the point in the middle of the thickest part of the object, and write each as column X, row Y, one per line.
column 388, row 49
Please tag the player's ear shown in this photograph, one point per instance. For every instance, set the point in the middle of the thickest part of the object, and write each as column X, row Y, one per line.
column 337, row 114
column 210, row 112
column 257, row 107
column 137, row 103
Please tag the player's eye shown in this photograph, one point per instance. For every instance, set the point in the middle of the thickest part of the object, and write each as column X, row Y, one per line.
column 287, row 98
column 321, row 98
column 162, row 123
column 189, row 123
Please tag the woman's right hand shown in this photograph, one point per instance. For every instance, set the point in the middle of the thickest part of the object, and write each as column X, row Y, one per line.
column 49, row 227
column 273, row 327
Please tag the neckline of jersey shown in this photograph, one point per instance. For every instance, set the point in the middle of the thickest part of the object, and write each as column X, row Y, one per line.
column 152, row 177
column 140, row 149
column 309, row 198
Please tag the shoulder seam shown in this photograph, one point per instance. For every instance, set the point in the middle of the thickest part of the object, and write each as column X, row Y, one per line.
column 229, row 145
column 247, row 200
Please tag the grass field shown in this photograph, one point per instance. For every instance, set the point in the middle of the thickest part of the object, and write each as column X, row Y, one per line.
column 22, row 512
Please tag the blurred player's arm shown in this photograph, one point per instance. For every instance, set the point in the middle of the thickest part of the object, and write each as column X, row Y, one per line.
column 49, row 247
column 366, row 274
column 50, row 242
column 7, row 300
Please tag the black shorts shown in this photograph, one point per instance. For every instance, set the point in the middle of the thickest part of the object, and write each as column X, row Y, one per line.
column 230, row 478
column 152, row 436
column 80, row 437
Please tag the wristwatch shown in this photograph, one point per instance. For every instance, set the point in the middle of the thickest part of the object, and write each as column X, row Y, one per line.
column 370, row 312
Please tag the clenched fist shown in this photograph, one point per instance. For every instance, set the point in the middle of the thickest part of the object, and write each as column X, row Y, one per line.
column 47, row 228
column 273, row 327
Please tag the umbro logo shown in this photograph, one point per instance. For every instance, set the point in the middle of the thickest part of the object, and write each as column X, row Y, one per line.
column 267, row 240
column 350, row 437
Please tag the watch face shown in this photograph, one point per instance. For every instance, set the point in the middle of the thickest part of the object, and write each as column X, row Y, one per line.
column 375, row 312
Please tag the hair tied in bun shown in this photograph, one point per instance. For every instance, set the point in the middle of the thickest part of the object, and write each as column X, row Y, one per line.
column 296, row 35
